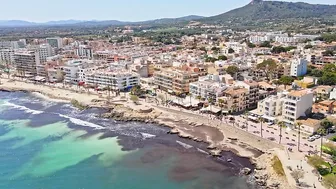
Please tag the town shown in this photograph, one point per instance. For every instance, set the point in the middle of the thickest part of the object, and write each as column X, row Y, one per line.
column 276, row 85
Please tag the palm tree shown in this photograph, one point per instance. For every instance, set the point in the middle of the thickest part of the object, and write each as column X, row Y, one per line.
column 189, row 94
column 298, row 124
column 124, row 85
column 246, row 120
column 210, row 101
column 220, row 103
column 281, row 125
column 322, row 133
column 261, row 120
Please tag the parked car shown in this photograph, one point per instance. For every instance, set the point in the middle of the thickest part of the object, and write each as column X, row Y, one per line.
column 310, row 139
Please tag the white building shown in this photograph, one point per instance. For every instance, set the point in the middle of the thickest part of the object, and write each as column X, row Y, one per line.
column 84, row 51
column 45, row 51
column 297, row 104
column 7, row 55
column 71, row 70
column 298, row 67
column 208, row 87
column 55, row 42
column 272, row 106
column 333, row 94
column 26, row 62
column 117, row 79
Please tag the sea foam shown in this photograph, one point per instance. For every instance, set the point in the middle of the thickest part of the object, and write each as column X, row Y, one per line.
column 27, row 110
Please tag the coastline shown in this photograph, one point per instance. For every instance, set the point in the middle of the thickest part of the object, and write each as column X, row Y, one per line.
column 219, row 136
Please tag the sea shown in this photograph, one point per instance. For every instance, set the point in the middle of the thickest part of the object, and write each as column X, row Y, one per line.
column 51, row 145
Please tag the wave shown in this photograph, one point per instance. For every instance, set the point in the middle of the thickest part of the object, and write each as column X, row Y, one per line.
column 27, row 110
column 186, row 146
column 82, row 123
column 202, row 151
column 147, row 136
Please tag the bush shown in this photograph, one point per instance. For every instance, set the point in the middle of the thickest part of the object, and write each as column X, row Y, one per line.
column 78, row 105
column 323, row 171
column 277, row 166
column 333, row 138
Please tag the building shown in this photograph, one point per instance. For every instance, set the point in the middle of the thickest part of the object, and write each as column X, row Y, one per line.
column 208, row 87
column 120, row 79
column 55, row 42
column 72, row 69
column 7, row 55
column 177, row 79
column 299, row 67
column 297, row 104
column 45, row 51
column 325, row 107
column 144, row 68
column 253, row 90
column 234, row 99
column 26, row 62
column 322, row 92
column 306, row 82
column 310, row 126
column 84, row 51
column 333, row 94
column 272, row 106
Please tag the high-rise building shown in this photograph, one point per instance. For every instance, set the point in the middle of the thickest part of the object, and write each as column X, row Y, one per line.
column 26, row 62
column 84, row 51
column 55, row 42
column 45, row 51
column 299, row 67
column 7, row 55
column 297, row 104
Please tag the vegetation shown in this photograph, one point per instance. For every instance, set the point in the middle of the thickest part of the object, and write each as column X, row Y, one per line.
column 134, row 98
column 230, row 51
column 329, row 181
column 268, row 66
column 79, row 105
column 277, row 166
column 328, row 75
column 328, row 53
column 286, row 80
column 308, row 46
column 297, row 175
column 222, row 57
column 266, row 44
column 327, row 37
column 232, row 70
column 280, row 49
column 251, row 45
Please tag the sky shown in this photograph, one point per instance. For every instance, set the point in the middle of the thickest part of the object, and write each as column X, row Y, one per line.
column 123, row 10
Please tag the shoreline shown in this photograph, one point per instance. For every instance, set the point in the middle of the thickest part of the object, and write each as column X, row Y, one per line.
column 219, row 136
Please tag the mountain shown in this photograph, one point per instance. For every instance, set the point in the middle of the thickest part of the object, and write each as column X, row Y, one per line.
column 261, row 11
column 21, row 23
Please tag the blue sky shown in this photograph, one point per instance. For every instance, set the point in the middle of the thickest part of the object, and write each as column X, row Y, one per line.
column 124, row 10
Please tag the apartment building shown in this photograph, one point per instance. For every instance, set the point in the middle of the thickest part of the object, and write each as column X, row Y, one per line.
column 120, row 79
column 71, row 70
column 325, row 107
column 299, row 67
column 45, row 51
column 272, row 106
column 7, row 55
column 55, row 42
column 26, row 62
column 322, row 92
column 235, row 99
column 253, row 92
column 297, row 104
column 84, row 51
column 208, row 87
column 177, row 79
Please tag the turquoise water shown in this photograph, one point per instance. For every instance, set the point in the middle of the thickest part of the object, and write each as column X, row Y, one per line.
column 46, row 145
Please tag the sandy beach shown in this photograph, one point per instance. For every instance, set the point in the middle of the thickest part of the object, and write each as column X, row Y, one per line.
column 220, row 136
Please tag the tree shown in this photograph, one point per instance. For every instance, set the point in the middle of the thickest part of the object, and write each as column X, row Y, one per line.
column 326, row 124
column 268, row 66
column 266, row 44
column 308, row 46
column 261, row 120
column 286, row 80
column 232, row 70
column 222, row 57
column 210, row 101
column 328, row 53
column 251, row 45
column 281, row 125
column 329, row 181
column 297, row 175
column 134, row 98
column 298, row 124
column 278, row 50
column 246, row 120
column 230, row 51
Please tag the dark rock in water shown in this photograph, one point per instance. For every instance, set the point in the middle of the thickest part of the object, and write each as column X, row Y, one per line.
column 246, row 171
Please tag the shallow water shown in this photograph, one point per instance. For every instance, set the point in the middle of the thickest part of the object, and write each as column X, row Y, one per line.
column 53, row 145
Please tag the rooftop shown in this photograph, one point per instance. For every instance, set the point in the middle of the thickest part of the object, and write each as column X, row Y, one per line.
column 299, row 93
